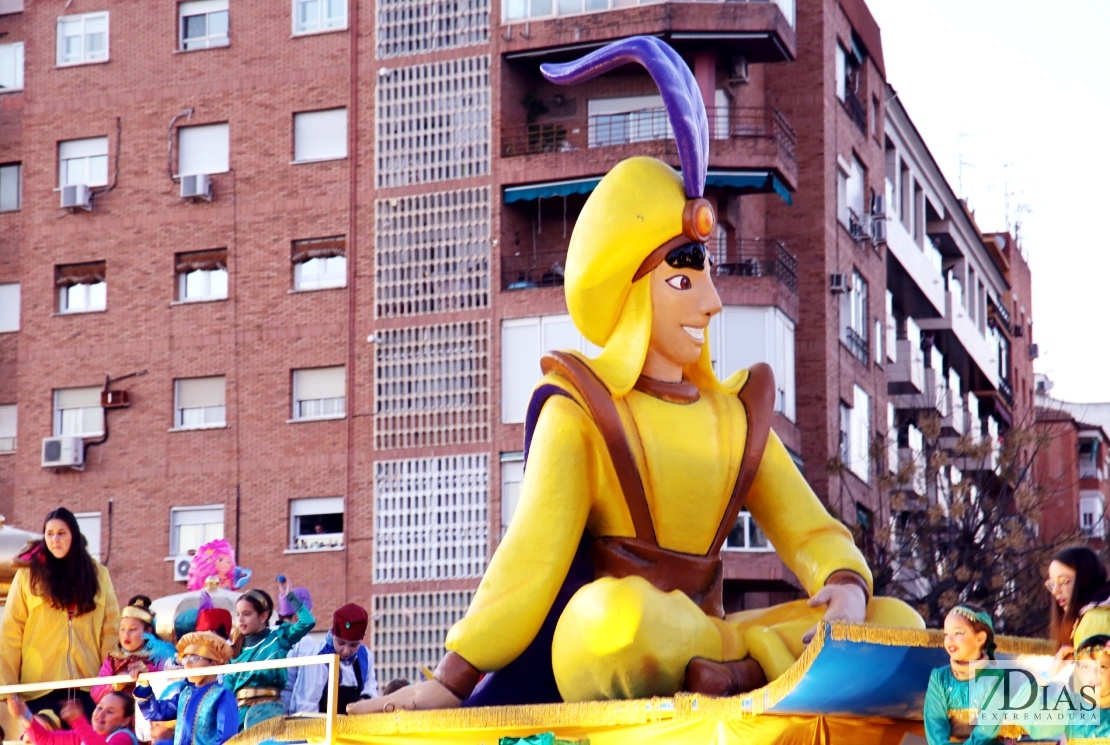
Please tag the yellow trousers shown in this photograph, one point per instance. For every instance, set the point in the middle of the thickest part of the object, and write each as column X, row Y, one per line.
column 623, row 638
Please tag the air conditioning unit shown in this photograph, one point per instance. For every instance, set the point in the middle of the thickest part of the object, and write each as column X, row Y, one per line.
column 878, row 205
column 878, row 230
column 1034, row 351
column 838, row 283
column 66, row 451
column 858, row 229
column 738, row 70
column 181, row 564
column 196, row 186
column 76, row 196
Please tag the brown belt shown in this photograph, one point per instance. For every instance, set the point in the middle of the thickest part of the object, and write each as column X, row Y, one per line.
column 252, row 696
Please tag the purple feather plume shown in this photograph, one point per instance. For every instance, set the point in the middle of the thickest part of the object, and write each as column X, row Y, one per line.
column 681, row 95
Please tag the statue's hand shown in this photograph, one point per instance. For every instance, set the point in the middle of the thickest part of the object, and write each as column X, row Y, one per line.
column 842, row 603
column 427, row 694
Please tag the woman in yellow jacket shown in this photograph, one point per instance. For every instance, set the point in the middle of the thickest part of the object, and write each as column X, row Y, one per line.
column 62, row 616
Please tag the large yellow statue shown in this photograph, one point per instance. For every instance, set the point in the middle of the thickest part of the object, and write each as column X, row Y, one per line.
column 638, row 463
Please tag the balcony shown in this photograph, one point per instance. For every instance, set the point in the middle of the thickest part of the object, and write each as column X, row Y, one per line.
column 906, row 375
column 758, row 258
column 967, row 333
column 855, row 110
column 742, row 138
column 954, row 423
column 911, row 473
column 931, row 397
column 761, row 31
column 921, row 265
column 857, row 344
column 975, row 455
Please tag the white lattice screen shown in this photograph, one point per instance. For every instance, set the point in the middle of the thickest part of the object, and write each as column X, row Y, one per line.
column 431, row 518
column 416, row 26
column 409, row 630
column 433, row 122
column 431, row 385
column 432, row 253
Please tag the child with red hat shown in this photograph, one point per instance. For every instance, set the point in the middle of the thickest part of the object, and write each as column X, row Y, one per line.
column 356, row 665
column 205, row 712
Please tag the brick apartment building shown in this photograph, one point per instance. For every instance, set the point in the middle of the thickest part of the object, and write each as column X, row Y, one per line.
column 1073, row 465
column 307, row 254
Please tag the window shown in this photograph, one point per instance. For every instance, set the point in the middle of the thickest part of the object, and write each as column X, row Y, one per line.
column 854, row 210
column 11, row 187
column 746, row 535
column 320, row 263
column 203, row 149
column 203, row 24
column 9, row 307
column 77, row 412
column 319, row 135
column 7, row 427
column 853, row 318
column 89, row 524
column 201, row 275
column 82, row 288
column 1091, row 517
column 316, row 523
column 11, row 67
column 740, row 336
column 512, row 476
column 318, row 15
column 523, row 342
column 320, row 393
column 192, row 527
column 617, row 121
column 199, row 403
column 83, row 162
column 82, row 39
column 855, row 434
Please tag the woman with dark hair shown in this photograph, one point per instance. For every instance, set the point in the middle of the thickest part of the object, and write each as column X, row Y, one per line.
column 62, row 617
column 258, row 692
column 1075, row 576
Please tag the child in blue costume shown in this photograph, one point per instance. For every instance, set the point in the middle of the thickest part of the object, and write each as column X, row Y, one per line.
column 1092, row 642
column 259, row 692
column 204, row 711
column 968, row 636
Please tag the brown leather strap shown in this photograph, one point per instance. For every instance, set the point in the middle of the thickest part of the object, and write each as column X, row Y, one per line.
column 758, row 398
column 604, row 413
column 457, row 675
column 698, row 577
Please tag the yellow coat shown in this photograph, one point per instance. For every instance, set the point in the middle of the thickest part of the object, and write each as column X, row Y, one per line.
column 36, row 644
column 688, row 456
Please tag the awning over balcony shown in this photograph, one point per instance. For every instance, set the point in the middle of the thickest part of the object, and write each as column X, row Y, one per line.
column 743, row 180
column 753, row 182
column 550, row 189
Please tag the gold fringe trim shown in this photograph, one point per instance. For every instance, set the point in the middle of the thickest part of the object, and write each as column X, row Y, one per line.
column 871, row 634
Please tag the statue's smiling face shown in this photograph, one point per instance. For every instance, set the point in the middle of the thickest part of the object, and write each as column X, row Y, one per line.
column 683, row 299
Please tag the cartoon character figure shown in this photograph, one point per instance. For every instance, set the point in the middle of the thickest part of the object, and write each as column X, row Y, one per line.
column 608, row 583
column 216, row 559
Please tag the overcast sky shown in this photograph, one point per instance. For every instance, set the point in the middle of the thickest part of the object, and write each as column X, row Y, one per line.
column 1009, row 96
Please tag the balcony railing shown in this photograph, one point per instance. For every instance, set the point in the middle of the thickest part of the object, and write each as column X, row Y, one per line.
column 757, row 258
column 644, row 125
column 744, row 258
column 1088, row 470
column 857, row 344
column 538, row 10
column 855, row 110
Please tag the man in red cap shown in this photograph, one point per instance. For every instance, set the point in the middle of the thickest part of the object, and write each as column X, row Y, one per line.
column 356, row 665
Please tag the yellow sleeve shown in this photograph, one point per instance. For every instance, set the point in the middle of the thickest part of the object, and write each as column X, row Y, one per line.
column 809, row 541
column 529, row 566
column 11, row 630
column 109, row 630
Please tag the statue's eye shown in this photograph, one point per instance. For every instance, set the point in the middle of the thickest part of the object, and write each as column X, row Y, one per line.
column 679, row 282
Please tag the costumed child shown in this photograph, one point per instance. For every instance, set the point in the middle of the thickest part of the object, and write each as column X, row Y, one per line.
column 112, row 720
column 1092, row 642
column 138, row 646
column 258, row 692
column 356, row 665
column 216, row 559
column 204, row 711
column 968, row 636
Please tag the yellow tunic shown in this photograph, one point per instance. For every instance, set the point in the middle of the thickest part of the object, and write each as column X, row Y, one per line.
column 688, row 456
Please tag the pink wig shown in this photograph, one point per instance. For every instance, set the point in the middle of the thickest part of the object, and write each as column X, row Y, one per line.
column 204, row 563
